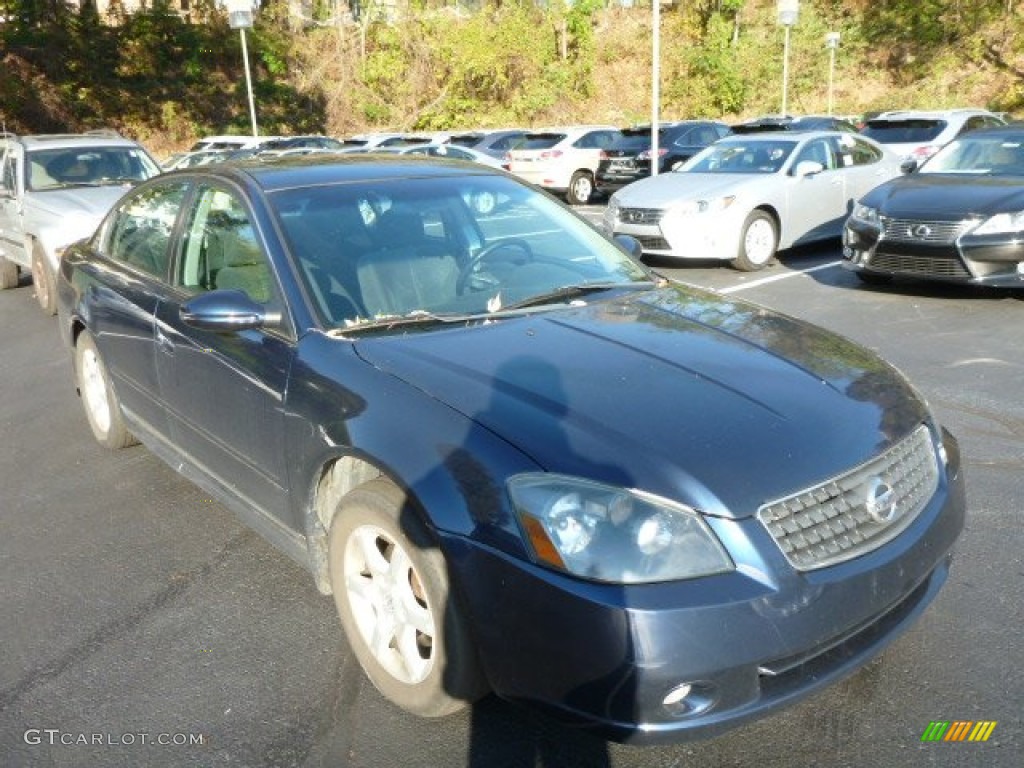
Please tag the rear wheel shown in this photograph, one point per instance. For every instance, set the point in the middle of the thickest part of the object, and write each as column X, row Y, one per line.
column 8, row 274
column 391, row 588
column 581, row 188
column 758, row 242
column 42, row 279
column 102, row 408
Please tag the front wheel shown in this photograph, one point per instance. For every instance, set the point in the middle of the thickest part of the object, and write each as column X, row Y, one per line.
column 581, row 188
column 42, row 279
column 394, row 599
column 758, row 242
column 102, row 408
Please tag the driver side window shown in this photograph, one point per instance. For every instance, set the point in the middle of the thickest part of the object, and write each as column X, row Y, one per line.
column 221, row 249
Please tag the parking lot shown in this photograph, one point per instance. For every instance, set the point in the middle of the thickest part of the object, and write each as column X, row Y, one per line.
column 143, row 625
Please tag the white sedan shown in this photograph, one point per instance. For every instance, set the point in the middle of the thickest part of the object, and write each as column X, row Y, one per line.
column 745, row 198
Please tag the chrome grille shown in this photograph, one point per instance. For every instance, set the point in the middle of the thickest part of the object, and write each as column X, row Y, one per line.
column 914, row 231
column 858, row 511
column 935, row 266
column 640, row 215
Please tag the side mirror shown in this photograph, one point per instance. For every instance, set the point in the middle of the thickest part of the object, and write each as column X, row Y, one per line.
column 630, row 245
column 808, row 168
column 226, row 311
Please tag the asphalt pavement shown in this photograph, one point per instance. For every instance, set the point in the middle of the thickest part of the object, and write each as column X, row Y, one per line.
column 142, row 625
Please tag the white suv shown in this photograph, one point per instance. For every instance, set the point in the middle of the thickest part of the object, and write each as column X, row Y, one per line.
column 55, row 189
column 917, row 135
column 562, row 160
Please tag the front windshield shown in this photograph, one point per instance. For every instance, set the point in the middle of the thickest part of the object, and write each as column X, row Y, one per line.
column 458, row 246
column 740, row 156
column 87, row 166
column 972, row 154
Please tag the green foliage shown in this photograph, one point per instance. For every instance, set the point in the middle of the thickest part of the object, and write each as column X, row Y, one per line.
column 503, row 62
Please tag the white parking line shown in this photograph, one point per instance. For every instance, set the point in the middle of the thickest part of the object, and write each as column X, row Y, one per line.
column 773, row 278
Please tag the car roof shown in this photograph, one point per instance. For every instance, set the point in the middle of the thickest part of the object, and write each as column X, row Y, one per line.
column 930, row 114
column 292, row 171
column 65, row 140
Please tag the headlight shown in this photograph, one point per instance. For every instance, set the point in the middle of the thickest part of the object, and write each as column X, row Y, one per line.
column 865, row 213
column 1001, row 223
column 691, row 207
column 613, row 534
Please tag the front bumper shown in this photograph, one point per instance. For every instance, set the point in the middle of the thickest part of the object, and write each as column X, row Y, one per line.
column 701, row 236
column 996, row 260
column 607, row 657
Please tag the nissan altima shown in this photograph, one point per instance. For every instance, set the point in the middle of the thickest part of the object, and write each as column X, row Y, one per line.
column 959, row 218
column 746, row 197
column 519, row 461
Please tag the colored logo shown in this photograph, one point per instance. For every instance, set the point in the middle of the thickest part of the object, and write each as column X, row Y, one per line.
column 958, row 730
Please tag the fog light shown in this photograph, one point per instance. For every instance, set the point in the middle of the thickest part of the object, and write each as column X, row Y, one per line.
column 689, row 699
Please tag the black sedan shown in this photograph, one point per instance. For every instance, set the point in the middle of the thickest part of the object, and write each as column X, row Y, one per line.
column 628, row 159
column 959, row 218
column 519, row 461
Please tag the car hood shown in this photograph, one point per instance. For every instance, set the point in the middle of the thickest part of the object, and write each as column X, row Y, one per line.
column 946, row 196
column 669, row 188
column 710, row 401
column 91, row 202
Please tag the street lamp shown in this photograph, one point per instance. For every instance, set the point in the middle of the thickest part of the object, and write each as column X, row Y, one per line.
column 788, row 12
column 655, row 83
column 240, row 13
column 831, row 42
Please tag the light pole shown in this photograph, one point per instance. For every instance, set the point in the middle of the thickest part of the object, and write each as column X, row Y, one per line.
column 832, row 43
column 788, row 12
column 655, row 83
column 240, row 13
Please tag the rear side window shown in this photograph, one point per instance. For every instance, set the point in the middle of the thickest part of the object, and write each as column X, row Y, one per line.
column 139, row 233
column 903, row 131
column 853, row 151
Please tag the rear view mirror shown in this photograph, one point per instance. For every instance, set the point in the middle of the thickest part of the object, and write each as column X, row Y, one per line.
column 226, row 311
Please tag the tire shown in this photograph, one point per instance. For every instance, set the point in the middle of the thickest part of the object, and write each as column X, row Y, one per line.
column 395, row 604
column 8, row 274
column 758, row 242
column 43, row 280
column 102, row 408
column 581, row 188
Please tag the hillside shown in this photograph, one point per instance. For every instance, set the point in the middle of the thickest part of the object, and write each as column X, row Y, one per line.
column 165, row 80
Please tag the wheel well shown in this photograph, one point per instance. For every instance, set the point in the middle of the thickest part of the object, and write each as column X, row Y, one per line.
column 337, row 479
column 775, row 217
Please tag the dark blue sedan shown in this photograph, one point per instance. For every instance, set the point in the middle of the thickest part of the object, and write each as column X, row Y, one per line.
column 519, row 461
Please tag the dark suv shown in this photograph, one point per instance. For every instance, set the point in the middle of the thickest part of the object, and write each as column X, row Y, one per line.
column 629, row 158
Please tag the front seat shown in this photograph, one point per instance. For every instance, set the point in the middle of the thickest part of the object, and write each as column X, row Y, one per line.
column 407, row 271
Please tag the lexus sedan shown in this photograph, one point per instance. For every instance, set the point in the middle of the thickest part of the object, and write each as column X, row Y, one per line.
column 747, row 197
column 959, row 218
column 519, row 461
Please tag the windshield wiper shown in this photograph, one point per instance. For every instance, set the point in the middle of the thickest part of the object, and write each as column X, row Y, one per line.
column 568, row 292
column 418, row 317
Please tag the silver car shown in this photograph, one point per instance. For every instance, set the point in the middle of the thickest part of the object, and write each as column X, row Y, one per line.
column 744, row 198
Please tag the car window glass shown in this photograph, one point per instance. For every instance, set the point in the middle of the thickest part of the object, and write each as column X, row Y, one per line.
column 817, row 151
column 10, row 175
column 140, row 231
column 221, row 249
column 853, row 151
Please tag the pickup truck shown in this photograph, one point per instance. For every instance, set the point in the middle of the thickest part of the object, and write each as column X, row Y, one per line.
column 55, row 189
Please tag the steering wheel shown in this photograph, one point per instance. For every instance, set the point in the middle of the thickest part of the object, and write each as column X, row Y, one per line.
column 476, row 259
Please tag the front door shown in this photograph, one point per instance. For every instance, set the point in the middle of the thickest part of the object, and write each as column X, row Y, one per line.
column 12, row 236
column 224, row 392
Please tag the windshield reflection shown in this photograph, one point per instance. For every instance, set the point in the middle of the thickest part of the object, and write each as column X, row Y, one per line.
column 429, row 249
